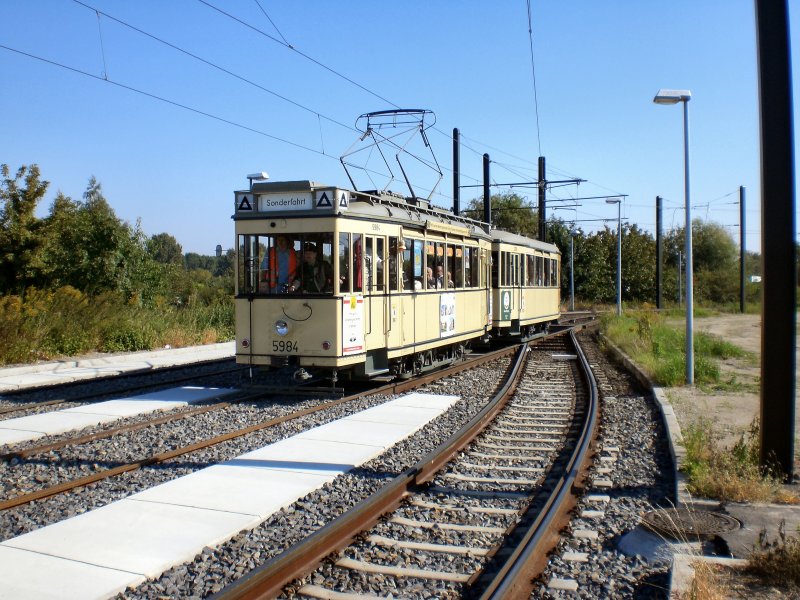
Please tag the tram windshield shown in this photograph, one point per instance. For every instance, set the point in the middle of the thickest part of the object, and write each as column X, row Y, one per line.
column 286, row 263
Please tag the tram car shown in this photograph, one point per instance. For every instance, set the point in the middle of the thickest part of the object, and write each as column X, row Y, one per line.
column 337, row 284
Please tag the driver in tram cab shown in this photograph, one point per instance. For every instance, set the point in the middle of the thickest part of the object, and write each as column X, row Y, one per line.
column 280, row 268
column 317, row 273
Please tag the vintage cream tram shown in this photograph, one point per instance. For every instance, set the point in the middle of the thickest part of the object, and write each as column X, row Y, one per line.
column 525, row 283
column 375, row 284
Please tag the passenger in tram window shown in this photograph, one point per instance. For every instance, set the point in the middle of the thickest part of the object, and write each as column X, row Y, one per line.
column 280, row 267
column 440, row 278
column 429, row 277
column 317, row 273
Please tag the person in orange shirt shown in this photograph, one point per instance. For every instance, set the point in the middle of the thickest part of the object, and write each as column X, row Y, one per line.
column 280, row 267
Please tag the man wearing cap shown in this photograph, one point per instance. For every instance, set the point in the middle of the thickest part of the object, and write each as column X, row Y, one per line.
column 317, row 273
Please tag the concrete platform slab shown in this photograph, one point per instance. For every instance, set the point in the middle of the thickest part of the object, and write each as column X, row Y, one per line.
column 374, row 434
column 53, row 423
column 397, row 415
column 310, row 456
column 138, row 537
column 422, row 400
column 15, row 436
column 30, row 576
column 237, row 489
column 156, row 529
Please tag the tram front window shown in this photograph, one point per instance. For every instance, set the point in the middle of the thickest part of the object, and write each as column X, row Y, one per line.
column 278, row 264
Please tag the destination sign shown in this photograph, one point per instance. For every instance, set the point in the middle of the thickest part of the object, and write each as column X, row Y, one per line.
column 285, row 201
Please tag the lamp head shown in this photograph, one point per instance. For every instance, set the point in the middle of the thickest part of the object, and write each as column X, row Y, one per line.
column 672, row 96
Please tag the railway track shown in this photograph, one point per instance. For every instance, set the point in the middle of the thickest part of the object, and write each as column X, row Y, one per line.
column 474, row 516
column 281, row 413
column 11, row 407
column 209, row 572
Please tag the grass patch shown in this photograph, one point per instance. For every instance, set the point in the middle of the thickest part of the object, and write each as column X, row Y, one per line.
column 728, row 474
column 777, row 562
column 660, row 349
column 42, row 325
column 706, row 584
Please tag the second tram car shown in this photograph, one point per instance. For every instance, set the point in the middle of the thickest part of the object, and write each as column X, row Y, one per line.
column 332, row 283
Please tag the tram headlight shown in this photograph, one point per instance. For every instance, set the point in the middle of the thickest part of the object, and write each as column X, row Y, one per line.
column 281, row 328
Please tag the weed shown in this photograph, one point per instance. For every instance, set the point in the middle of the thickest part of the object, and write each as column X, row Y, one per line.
column 728, row 474
column 777, row 562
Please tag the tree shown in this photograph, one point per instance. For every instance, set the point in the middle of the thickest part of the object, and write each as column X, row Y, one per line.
column 715, row 258
column 509, row 212
column 20, row 239
column 165, row 249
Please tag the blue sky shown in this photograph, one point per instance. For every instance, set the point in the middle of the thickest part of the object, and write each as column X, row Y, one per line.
column 598, row 66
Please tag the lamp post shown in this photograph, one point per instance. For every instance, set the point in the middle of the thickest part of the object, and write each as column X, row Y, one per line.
column 673, row 97
column 618, row 202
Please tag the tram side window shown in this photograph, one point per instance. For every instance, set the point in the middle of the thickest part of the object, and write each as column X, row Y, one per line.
column 368, row 263
column 393, row 249
column 515, row 270
column 429, row 277
column 473, row 261
column 248, row 267
column 531, row 281
column 380, row 261
column 344, row 263
column 408, row 264
column 358, row 263
column 458, row 273
column 495, row 268
column 450, row 273
column 539, row 271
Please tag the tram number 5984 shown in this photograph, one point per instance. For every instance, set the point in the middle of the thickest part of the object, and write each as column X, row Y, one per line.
column 284, row 346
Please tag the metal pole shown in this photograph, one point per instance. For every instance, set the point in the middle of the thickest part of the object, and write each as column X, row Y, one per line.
column 680, row 278
column 571, row 270
column 542, row 187
column 487, row 194
column 689, row 267
column 742, row 249
column 619, row 258
column 777, row 247
column 456, row 172
column 659, row 250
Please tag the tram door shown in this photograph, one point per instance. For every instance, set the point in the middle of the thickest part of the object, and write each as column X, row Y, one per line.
column 375, row 275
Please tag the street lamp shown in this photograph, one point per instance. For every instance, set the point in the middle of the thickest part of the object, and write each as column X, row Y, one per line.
column 673, row 97
column 618, row 202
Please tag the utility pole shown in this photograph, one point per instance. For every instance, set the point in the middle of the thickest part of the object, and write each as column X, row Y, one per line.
column 742, row 249
column 779, row 286
column 542, row 188
column 456, row 171
column 659, row 249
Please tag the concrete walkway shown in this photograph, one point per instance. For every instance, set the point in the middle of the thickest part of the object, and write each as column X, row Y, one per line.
column 64, row 371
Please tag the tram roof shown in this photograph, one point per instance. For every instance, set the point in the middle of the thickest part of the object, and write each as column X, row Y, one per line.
column 506, row 237
column 291, row 199
column 305, row 198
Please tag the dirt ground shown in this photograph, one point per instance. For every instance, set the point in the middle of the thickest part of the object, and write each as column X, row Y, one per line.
column 734, row 409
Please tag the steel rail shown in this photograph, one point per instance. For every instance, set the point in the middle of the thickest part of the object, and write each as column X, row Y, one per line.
column 515, row 578
column 107, row 433
column 391, row 388
column 30, row 405
column 268, row 580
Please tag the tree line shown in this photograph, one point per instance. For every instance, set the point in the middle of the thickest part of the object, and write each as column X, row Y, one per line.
column 715, row 257
column 101, row 282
